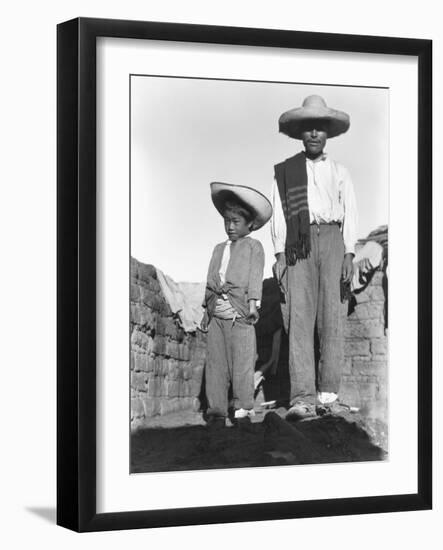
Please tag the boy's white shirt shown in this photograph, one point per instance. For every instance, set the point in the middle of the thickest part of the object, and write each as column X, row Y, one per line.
column 224, row 265
column 331, row 198
column 225, row 261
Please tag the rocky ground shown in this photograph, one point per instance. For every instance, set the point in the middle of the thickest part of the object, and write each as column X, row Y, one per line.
column 185, row 442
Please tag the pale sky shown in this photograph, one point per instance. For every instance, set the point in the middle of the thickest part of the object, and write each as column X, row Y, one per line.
column 186, row 133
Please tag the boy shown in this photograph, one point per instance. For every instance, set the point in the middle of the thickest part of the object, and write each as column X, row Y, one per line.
column 233, row 293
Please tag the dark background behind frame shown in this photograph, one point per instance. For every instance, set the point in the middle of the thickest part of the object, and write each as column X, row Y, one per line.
column 76, row 248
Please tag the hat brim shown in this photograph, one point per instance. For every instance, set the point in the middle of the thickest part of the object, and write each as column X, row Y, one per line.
column 255, row 201
column 291, row 122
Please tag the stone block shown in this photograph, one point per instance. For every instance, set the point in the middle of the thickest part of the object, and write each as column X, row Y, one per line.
column 369, row 368
column 141, row 315
column 380, row 358
column 363, row 296
column 377, row 278
column 198, row 360
column 364, row 358
column 165, row 309
column 164, row 367
column 190, row 403
column 140, row 362
column 154, row 388
column 165, row 407
column 172, row 349
column 140, row 339
column 173, row 369
column 188, row 390
column 151, row 299
column 146, row 272
column 369, row 310
column 172, row 388
column 195, row 387
column 160, row 326
column 356, row 347
column 135, row 314
column 137, row 410
column 362, row 393
column 347, row 365
column 171, row 329
column 134, row 268
column 150, row 364
column 187, row 371
column 152, row 284
column 196, row 404
column 155, row 301
column 369, row 396
column 151, row 406
column 169, row 406
column 135, row 292
column 370, row 328
column 197, row 371
column 379, row 346
column 159, row 345
column 158, row 365
column 201, row 338
column 139, row 381
column 184, row 352
column 132, row 363
column 376, row 293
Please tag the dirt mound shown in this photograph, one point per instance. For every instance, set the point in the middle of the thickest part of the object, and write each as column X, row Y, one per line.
column 270, row 442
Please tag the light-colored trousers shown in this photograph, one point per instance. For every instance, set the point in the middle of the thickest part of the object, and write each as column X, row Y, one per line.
column 231, row 355
column 312, row 291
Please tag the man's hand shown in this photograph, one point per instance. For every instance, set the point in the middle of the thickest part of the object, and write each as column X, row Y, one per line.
column 253, row 315
column 280, row 265
column 204, row 322
column 347, row 270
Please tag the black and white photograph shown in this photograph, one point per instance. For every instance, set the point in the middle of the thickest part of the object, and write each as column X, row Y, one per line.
column 258, row 273
column 221, row 308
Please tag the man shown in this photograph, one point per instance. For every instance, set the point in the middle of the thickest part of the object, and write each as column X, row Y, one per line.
column 314, row 233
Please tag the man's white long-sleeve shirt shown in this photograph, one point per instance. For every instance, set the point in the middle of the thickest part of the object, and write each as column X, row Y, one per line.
column 331, row 198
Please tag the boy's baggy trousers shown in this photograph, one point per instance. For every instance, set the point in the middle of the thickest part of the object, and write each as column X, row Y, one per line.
column 231, row 355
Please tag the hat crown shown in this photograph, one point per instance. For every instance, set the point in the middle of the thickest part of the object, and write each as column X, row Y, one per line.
column 314, row 108
column 314, row 101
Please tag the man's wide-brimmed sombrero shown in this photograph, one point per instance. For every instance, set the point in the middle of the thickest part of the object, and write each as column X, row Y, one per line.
column 253, row 200
column 314, row 107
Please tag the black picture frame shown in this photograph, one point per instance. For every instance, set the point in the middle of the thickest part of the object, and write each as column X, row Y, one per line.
column 76, row 273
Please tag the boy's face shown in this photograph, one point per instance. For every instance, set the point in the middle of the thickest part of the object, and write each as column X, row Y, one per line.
column 236, row 226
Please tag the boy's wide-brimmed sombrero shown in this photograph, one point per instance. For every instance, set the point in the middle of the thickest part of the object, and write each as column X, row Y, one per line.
column 258, row 204
column 314, row 107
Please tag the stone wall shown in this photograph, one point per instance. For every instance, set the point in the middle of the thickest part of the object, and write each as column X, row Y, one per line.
column 166, row 362
column 364, row 381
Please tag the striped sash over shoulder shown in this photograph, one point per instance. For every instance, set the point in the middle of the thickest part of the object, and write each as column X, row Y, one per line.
column 292, row 183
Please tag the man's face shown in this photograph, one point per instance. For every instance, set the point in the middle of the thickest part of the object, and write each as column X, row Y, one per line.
column 314, row 135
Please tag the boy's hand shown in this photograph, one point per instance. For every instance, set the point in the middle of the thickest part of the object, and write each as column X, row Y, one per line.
column 253, row 315
column 204, row 322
